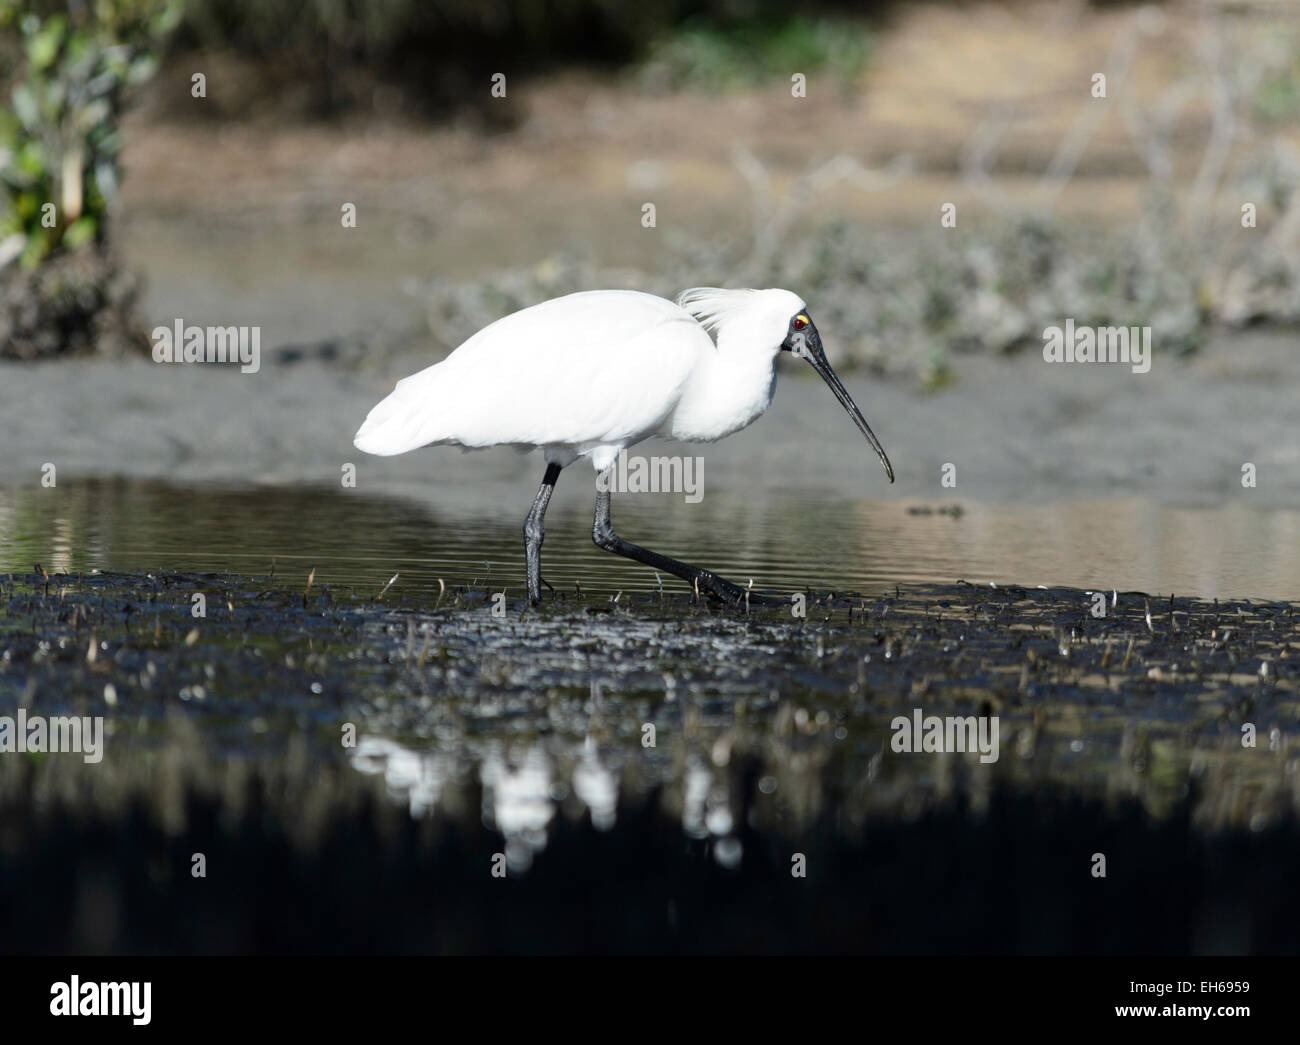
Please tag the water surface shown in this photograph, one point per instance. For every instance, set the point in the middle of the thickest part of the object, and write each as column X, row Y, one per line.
column 782, row 541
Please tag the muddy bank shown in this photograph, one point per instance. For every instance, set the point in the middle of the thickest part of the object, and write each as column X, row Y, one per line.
column 521, row 740
column 1141, row 700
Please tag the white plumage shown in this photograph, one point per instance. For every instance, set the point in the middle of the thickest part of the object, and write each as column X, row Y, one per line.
column 593, row 373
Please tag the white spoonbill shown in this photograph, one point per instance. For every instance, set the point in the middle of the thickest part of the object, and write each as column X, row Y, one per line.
column 590, row 374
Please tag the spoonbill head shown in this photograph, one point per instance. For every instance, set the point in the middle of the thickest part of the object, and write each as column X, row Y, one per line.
column 593, row 373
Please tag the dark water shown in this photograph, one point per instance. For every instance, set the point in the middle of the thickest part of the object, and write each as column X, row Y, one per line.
column 783, row 542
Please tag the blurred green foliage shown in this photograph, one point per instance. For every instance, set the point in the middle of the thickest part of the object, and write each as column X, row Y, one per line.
column 1277, row 98
column 450, row 31
column 430, row 48
column 711, row 54
column 66, row 74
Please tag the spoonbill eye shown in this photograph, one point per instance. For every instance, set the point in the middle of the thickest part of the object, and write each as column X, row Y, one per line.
column 800, row 322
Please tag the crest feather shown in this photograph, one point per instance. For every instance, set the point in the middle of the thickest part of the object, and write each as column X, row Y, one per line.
column 713, row 307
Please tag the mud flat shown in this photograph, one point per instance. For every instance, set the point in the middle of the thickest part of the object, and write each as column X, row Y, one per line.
column 645, row 771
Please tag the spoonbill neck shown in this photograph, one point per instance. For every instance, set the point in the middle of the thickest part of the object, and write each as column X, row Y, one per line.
column 728, row 389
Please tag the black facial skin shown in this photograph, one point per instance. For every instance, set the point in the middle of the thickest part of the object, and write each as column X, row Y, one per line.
column 802, row 340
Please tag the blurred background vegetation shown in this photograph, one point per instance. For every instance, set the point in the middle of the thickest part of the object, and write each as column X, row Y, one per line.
column 426, row 47
column 67, row 75
column 1215, row 121
column 328, row 54
column 69, row 70
column 66, row 68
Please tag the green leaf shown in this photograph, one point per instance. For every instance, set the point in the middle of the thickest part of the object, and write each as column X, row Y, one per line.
column 93, row 114
column 43, row 47
column 26, row 106
column 168, row 18
column 80, row 231
column 143, row 68
column 31, row 159
column 37, row 248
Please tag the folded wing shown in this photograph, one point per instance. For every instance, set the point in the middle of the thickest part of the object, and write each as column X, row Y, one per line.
column 598, row 367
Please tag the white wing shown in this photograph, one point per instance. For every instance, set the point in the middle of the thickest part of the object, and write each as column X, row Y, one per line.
column 598, row 367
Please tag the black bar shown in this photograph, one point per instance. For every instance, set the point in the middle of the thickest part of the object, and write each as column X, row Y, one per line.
column 340, row 995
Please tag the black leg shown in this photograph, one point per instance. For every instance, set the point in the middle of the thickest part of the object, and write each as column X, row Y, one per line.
column 602, row 532
column 534, row 532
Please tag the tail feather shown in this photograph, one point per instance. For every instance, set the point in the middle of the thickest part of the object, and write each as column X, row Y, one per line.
column 405, row 419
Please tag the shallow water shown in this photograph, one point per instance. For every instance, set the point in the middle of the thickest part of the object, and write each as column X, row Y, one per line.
column 782, row 542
